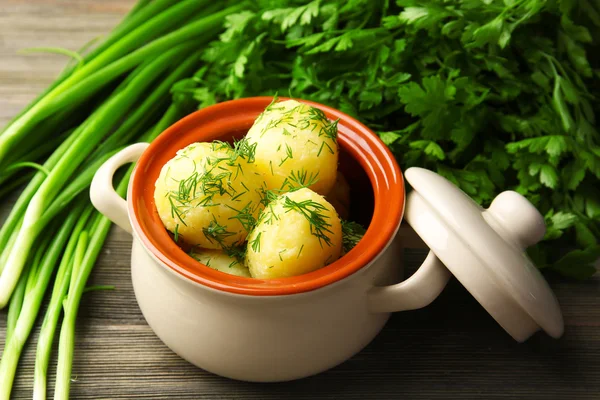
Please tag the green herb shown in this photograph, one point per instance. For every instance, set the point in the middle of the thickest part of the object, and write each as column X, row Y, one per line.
column 323, row 145
column 299, row 179
column 244, row 149
column 236, row 251
column 300, row 251
column 288, row 154
column 176, row 233
column 313, row 212
column 255, row 243
column 352, row 233
column 216, row 232
column 245, row 216
column 282, row 251
column 494, row 95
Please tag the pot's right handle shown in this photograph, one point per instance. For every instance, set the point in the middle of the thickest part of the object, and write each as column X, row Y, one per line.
column 416, row 292
column 102, row 193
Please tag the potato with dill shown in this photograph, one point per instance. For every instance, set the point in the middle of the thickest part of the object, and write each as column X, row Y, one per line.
column 221, row 261
column 298, row 232
column 209, row 194
column 296, row 146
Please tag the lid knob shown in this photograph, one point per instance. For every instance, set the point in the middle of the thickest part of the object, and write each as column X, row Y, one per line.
column 514, row 218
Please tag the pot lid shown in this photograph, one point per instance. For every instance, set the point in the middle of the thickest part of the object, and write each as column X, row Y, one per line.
column 485, row 250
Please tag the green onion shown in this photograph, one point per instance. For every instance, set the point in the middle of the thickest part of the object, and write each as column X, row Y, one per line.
column 119, row 93
column 39, row 276
column 59, row 291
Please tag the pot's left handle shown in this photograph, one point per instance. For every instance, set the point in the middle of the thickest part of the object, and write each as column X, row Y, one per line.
column 103, row 194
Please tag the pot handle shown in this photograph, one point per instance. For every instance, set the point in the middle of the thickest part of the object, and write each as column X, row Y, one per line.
column 102, row 193
column 418, row 291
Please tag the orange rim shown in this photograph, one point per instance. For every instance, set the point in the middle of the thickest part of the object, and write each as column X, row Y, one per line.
column 238, row 116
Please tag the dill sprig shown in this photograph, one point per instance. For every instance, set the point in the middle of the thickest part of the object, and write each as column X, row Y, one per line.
column 268, row 195
column 216, row 232
column 299, row 179
column 352, row 233
column 313, row 212
column 255, row 243
column 324, row 144
column 244, row 149
column 300, row 251
column 176, row 233
column 200, row 188
column 245, row 216
column 236, row 252
column 288, row 154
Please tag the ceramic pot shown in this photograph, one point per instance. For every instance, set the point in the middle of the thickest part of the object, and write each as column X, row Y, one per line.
column 280, row 329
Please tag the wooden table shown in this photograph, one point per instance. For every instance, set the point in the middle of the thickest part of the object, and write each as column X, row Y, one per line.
column 450, row 350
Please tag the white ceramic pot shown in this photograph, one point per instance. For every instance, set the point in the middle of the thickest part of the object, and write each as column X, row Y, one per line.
column 243, row 330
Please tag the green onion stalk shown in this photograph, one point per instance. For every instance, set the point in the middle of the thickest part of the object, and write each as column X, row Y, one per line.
column 106, row 99
column 61, row 285
column 37, row 280
column 93, row 131
column 79, row 274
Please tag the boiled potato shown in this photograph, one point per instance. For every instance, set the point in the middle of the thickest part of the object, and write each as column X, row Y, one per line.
column 339, row 196
column 297, row 233
column 296, row 145
column 208, row 196
column 220, row 261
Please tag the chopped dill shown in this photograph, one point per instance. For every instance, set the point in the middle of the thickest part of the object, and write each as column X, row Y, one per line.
column 176, row 211
column 216, row 232
column 299, row 179
column 176, row 233
column 288, row 154
column 237, row 252
column 255, row 243
column 313, row 212
column 323, row 145
column 237, row 196
column 245, row 216
column 352, row 233
column 267, row 196
column 300, row 251
column 282, row 251
column 244, row 149
column 272, row 103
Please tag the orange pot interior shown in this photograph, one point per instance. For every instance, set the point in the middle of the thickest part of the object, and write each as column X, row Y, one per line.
column 377, row 195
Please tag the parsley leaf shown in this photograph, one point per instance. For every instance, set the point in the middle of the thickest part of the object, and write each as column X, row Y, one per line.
column 494, row 95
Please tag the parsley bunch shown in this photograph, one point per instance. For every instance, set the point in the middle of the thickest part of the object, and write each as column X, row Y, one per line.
column 492, row 94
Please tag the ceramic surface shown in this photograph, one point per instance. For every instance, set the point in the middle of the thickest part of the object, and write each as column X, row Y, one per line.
column 275, row 330
column 485, row 250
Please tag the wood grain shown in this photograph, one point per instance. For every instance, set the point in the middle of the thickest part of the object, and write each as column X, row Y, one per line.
column 451, row 349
